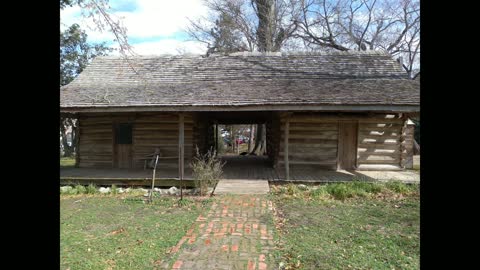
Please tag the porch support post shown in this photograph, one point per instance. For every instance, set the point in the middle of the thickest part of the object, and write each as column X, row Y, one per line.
column 181, row 135
column 77, row 144
column 216, row 138
column 285, row 155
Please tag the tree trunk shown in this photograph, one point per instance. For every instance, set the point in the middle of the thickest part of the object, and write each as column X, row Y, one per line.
column 67, row 150
column 266, row 21
column 74, row 137
column 259, row 147
column 263, row 150
column 250, row 139
column 232, row 139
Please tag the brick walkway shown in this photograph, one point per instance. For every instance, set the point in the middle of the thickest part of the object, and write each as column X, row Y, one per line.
column 237, row 233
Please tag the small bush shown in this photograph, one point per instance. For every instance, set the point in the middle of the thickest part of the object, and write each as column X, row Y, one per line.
column 114, row 189
column 80, row 189
column 206, row 202
column 320, row 191
column 207, row 170
column 65, row 189
column 91, row 189
column 292, row 189
column 68, row 190
column 402, row 188
column 340, row 191
column 366, row 187
column 185, row 202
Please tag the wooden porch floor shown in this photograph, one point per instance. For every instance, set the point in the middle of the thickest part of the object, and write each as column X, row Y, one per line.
column 240, row 167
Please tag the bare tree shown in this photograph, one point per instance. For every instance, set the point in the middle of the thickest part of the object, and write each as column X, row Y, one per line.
column 254, row 25
column 391, row 25
column 104, row 20
column 68, row 124
column 232, row 17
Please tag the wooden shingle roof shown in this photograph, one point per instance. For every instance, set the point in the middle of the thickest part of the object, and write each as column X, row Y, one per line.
column 243, row 81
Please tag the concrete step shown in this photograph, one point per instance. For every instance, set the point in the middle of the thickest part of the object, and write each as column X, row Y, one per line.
column 242, row 186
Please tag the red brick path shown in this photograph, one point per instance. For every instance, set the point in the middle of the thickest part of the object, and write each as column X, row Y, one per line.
column 235, row 234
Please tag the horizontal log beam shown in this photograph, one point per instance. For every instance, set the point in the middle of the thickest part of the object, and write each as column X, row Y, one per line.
column 259, row 107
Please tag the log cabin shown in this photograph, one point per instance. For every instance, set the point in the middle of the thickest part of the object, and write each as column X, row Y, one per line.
column 333, row 111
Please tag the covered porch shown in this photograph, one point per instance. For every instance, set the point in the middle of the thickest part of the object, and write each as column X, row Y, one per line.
column 236, row 168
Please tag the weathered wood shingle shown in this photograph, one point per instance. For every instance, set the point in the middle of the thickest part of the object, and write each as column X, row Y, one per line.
column 351, row 78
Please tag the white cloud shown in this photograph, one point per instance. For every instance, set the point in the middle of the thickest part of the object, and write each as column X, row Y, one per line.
column 167, row 46
column 154, row 18
column 69, row 16
column 151, row 18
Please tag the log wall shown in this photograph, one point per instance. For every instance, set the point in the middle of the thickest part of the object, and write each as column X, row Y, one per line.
column 150, row 130
column 312, row 141
column 95, row 144
column 407, row 147
column 161, row 130
column 379, row 140
column 313, row 138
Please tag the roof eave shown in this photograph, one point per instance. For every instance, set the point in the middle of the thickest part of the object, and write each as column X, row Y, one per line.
column 209, row 108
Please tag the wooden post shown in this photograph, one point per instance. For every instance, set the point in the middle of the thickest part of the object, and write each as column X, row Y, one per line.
column 287, row 167
column 181, row 135
column 77, row 144
column 216, row 138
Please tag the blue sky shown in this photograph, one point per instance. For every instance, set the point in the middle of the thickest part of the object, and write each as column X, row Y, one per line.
column 153, row 26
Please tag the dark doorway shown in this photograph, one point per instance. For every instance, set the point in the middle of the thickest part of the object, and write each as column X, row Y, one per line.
column 234, row 135
column 123, row 145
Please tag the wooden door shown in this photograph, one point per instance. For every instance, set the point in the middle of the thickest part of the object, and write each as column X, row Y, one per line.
column 347, row 145
column 123, row 145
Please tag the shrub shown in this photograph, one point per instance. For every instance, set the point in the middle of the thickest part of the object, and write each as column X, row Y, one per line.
column 366, row 187
column 320, row 191
column 402, row 188
column 339, row 191
column 114, row 189
column 91, row 189
column 292, row 189
column 68, row 190
column 207, row 170
column 65, row 189
column 80, row 189
column 185, row 202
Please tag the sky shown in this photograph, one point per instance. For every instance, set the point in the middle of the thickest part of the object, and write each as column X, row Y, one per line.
column 154, row 27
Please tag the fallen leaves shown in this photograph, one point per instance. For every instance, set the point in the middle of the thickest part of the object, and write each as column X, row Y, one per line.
column 111, row 264
column 121, row 230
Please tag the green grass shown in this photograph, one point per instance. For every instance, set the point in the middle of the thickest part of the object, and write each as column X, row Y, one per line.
column 106, row 232
column 67, row 162
column 370, row 226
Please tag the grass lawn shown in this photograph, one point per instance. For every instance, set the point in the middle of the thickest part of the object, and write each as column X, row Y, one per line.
column 118, row 232
column 67, row 162
column 379, row 230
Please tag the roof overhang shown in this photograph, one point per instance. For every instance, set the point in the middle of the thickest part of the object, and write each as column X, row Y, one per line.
column 209, row 108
